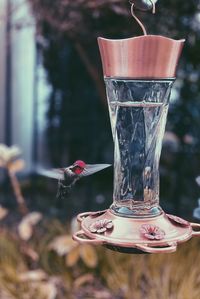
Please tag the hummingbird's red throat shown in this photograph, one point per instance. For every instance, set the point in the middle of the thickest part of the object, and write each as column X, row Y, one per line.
column 79, row 166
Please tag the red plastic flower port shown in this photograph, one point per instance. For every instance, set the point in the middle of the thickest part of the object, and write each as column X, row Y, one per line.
column 100, row 226
column 152, row 232
column 178, row 220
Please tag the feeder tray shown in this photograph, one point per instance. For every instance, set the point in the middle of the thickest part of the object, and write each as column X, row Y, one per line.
column 160, row 234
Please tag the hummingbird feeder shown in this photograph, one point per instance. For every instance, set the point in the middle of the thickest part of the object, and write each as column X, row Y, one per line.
column 139, row 73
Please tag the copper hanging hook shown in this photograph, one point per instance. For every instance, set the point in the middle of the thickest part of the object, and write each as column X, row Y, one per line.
column 137, row 20
column 134, row 6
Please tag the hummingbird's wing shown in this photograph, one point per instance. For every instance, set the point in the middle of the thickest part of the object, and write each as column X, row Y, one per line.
column 90, row 169
column 57, row 173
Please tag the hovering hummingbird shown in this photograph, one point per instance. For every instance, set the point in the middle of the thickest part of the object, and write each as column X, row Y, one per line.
column 67, row 177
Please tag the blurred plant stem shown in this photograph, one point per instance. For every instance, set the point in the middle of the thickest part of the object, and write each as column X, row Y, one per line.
column 18, row 193
column 10, row 160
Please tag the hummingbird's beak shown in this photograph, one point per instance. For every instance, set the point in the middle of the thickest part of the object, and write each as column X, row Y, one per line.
column 90, row 169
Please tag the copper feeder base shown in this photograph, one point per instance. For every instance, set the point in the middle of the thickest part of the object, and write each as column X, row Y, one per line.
column 135, row 235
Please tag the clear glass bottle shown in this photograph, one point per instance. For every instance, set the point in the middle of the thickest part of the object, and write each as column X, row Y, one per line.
column 138, row 111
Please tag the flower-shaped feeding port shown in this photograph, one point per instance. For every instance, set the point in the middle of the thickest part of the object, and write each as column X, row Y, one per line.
column 152, row 232
column 101, row 226
column 178, row 220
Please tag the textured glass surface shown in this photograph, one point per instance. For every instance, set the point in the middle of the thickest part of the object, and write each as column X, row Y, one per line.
column 138, row 111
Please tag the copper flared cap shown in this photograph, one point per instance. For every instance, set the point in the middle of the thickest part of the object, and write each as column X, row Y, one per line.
column 148, row 56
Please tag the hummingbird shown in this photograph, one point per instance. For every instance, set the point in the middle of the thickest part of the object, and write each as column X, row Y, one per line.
column 67, row 177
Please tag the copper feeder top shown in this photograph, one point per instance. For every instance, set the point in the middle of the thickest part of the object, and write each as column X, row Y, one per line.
column 144, row 57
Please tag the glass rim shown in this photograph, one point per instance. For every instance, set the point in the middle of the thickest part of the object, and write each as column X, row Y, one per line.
column 157, row 80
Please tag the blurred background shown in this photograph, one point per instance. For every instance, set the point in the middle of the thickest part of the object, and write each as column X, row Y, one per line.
column 53, row 108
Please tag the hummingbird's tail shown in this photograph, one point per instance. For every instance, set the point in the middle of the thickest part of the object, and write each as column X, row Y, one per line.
column 62, row 191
